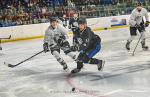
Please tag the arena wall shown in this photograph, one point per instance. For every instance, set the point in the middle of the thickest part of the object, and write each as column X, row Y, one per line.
column 32, row 31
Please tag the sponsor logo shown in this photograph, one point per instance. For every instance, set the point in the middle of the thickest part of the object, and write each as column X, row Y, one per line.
column 118, row 22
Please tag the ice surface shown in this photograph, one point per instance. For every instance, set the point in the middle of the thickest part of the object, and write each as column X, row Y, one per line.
column 124, row 75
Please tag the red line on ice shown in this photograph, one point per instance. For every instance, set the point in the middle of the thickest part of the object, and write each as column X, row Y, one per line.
column 70, row 82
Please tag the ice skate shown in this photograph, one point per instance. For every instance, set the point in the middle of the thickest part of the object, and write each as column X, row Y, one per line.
column 76, row 70
column 128, row 45
column 144, row 47
column 65, row 67
column 101, row 65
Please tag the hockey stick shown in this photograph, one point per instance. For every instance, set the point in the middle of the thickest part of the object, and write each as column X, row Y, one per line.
column 6, row 37
column 10, row 65
column 0, row 45
column 1, row 41
column 137, row 45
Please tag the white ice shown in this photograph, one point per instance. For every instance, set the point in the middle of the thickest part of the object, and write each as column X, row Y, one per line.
column 124, row 75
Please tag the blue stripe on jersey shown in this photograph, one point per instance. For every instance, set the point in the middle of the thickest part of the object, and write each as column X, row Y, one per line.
column 95, row 51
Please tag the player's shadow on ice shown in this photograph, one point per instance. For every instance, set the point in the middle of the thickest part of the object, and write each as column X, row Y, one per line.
column 120, row 71
column 2, row 54
column 80, row 74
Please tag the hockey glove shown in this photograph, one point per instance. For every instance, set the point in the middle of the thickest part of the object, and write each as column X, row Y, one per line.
column 61, row 40
column 74, row 48
column 45, row 47
column 138, row 26
column 147, row 23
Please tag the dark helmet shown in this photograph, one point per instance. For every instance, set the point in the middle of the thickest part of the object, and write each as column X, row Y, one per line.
column 53, row 19
column 138, row 4
column 82, row 21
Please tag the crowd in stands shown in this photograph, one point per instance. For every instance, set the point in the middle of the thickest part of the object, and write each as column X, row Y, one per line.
column 23, row 12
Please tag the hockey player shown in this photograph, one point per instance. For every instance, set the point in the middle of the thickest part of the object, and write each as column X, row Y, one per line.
column 73, row 25
column 89, row 44
column 0, row 44
column 64, row 20
column 73, row 22
column 136, row 22
column 55, row 39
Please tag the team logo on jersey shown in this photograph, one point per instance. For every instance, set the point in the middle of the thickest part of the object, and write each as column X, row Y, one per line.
column 139, row 16
column 75, row 24
column 79, row 40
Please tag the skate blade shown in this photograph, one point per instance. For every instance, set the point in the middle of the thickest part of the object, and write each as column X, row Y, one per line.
column 67, row 70
column 145, row 49
column 74, row 72
column 102, row 67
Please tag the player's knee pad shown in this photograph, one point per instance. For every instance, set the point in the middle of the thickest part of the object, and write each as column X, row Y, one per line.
column 55, row 49
column 79, row 65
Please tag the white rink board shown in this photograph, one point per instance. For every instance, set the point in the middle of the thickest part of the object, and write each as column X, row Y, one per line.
column 25, row 31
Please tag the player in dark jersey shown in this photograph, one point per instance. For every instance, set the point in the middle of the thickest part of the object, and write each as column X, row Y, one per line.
column 89, row 44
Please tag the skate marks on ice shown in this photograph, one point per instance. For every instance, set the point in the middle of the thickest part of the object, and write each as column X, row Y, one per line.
column 120, row 62
column 120, row 71
column 2, row 54
column 125, row 80
column 31, row 83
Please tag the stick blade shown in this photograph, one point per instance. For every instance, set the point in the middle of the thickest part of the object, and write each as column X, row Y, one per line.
column 1, row 48
column 133, row 54
column 9, row 37
column 9, row 65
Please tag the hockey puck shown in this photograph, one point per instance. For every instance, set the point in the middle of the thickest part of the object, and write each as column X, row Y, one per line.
column 105, row 28
column 73, row 89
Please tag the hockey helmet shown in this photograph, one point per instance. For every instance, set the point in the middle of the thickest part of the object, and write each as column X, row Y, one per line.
column 82, row 21
column 53, row 19
column 138, row 4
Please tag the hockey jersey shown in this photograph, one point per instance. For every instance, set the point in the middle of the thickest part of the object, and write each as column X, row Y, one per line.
column 51, row 35
column 137, row 17
column 73, row 23
column 86, row 39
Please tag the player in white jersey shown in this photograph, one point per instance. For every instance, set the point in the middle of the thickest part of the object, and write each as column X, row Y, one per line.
column 136, row 22
column 55, row 39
